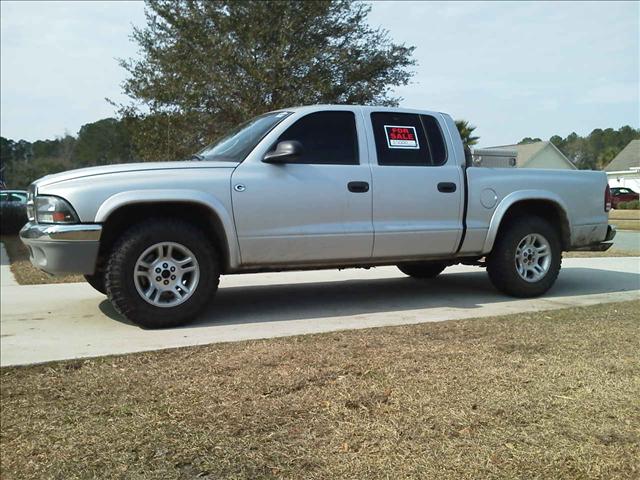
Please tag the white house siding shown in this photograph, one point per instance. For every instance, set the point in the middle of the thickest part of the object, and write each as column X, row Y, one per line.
column 625, row 179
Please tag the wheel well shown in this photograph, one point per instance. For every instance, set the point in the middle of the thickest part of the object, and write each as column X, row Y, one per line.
column 550, row 211
column 197, row 214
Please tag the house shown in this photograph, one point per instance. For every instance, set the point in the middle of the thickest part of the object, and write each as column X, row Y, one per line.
column 624, row 169
column 535, row 155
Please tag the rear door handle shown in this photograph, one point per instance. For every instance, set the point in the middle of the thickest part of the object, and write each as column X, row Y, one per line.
column 447, row 187
column 358, row 187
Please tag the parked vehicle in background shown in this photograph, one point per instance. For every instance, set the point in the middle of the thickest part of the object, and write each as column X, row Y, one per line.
column 11, row 196
column 622, row 195
column 13, row 210
column 311, row 187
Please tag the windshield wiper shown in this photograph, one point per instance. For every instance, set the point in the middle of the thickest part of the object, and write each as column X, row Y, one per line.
column 196, row 156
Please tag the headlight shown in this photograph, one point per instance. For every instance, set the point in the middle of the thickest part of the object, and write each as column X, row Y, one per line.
column 54, row 210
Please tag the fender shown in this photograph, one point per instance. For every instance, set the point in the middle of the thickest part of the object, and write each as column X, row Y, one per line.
column 513, row 198
column 217, row 208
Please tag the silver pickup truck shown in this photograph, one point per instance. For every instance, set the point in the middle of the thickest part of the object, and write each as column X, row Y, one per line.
column 304, row 188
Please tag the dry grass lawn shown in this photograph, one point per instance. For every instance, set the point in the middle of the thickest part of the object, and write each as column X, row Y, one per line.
column 624, row 215
column 625, row 219
column 612, row 252
column 547, row 395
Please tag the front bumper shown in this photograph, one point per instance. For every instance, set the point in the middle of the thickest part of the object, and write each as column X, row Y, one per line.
column 602, row 246
column 63, row 248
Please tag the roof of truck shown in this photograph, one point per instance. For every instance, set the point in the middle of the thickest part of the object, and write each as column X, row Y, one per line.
column 379, row 108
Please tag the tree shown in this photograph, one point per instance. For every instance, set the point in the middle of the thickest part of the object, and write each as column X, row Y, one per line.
column 209, row 65
column 527, row 140
column 597, row 149
column 466, row 133
column 102, row 142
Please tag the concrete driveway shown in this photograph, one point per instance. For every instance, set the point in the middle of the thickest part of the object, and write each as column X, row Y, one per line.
column 53, row 322
column 627, row 241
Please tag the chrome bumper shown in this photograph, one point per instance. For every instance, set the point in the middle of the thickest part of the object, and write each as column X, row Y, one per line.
column 62, row 248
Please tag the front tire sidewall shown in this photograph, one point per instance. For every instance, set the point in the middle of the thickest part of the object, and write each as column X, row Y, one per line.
column 120, row 283
column 501, row 264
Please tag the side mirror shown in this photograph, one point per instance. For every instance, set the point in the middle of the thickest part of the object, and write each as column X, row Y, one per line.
column 286, row 152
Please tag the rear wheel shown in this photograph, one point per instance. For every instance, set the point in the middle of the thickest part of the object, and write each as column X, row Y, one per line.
column 162, row 273
column 526, row 258
column 422, row 270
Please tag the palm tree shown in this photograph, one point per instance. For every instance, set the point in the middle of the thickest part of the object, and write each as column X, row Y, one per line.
column 466, row 133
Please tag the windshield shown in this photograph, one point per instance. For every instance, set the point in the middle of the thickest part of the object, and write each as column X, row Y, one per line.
column 237, row 144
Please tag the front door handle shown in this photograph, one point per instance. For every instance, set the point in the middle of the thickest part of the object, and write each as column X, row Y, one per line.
column 358, row 187
column 447, row 187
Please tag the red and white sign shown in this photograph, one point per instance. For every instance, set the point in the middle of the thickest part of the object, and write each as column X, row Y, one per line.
column 401, row 137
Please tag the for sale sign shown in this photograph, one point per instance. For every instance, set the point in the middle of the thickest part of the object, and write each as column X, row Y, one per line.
column 401, row 137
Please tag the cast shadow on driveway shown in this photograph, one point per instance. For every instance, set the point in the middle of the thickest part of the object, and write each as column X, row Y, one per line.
column 281, row 302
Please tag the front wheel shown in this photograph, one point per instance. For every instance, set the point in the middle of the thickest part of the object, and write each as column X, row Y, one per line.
column 526, row 258
column 97, row 281
column 162, row 273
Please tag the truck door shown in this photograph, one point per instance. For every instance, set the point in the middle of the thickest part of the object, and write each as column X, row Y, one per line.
column 314, row 210
column 418, row 189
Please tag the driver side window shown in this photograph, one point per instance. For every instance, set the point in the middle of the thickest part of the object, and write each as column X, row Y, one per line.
column 326, row 138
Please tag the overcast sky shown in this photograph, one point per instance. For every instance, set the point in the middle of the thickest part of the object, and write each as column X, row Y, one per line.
column 513, row 69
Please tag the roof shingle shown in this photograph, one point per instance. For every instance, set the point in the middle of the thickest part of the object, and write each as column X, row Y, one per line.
column 627, row 159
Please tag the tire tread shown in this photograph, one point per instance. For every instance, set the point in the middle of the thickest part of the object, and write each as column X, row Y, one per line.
column 501, row 264
column 150, row 316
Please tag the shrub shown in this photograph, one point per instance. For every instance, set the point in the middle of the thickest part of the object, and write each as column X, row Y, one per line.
column 12, row 217
column 632, row 205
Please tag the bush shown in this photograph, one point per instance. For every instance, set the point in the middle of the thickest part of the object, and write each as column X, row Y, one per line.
column 13, row 216
column 632, row 205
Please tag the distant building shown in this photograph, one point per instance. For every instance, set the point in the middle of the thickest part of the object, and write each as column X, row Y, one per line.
column 624, row 170
column 528, row 155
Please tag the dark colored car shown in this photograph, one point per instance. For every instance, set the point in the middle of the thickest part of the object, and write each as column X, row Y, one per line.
column 622, row 194
column 13, row 210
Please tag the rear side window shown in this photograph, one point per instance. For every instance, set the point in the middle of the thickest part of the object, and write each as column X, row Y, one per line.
column 437, row 147
column 404, row 139
column 399, row 139
column 326, row 137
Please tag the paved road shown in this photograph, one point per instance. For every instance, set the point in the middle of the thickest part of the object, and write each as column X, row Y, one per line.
column 53, row 322
column 627, row 240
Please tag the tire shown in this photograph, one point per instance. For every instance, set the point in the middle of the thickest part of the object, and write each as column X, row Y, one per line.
column 422, row 270
column 190, row 291
column 97, row 281
column 541, row 273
